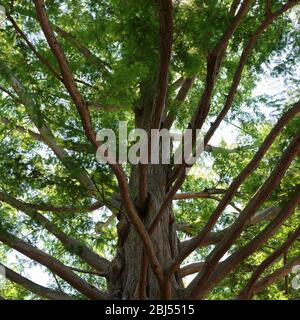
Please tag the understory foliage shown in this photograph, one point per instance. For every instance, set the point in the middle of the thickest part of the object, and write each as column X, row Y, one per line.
column 54, row 196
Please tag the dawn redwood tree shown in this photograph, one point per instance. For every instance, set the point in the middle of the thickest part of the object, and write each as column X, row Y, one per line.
column 122, row 231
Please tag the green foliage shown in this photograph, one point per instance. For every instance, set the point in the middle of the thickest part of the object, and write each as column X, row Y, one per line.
column 119, row 75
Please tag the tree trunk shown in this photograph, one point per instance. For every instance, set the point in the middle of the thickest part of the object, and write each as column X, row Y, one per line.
column 125, row 270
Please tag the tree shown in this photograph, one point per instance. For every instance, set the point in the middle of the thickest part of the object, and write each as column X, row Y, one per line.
column 70, row 68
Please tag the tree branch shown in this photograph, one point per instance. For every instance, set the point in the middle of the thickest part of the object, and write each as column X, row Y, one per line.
column 52, row 264
column 32, row 48
column 34, row 287
column 181, row 96
column 242, row 253
column 252, row 165
column 70, row 244
column 233, row 7
column 275, row 276
column 179, row 172
column 268, row 7
column 215, row 237
column 213, row 64
column 96, row 273
column 86, row 53
column 86, row 122
column 243, row 59
column 165, row 8
column 55, row 209
column 190, row 269
column 198, row 195
column 35, row 115
column 246, row 293
column 198, row 285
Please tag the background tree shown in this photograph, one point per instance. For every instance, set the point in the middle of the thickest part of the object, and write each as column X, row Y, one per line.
column 70, row 68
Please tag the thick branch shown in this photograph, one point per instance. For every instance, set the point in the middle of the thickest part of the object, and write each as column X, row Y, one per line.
column 165, row 8
column 190, row 269
column 241, row 254
column 69, row 243
column 52, row 264
column 86, row 122
column 213, row 64
column 268, row 7
column 253, row 164
column 179, row 172
column 198, row 285
column 34, row 287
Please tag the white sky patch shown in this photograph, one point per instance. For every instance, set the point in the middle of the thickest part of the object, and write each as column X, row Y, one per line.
column 2, row 15
column 2, row 277
column 35, row 273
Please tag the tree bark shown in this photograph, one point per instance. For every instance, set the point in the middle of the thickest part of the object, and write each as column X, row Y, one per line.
column 125, row 270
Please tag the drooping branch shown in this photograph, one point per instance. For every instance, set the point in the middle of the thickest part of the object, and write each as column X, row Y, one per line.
column 35, row 115
column 33, row 287
column 70, row 244
column 52, row 264
column 198, row 286
column 247, row 291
